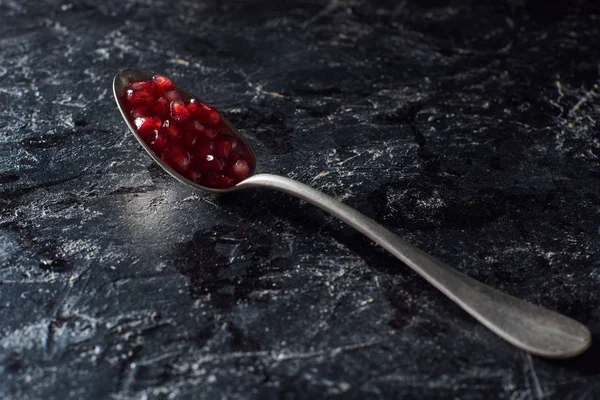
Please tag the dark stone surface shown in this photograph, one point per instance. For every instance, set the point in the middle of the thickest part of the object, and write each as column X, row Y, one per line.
column 470, row 129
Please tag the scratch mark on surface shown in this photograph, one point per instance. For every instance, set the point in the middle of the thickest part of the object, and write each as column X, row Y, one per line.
column 587, row 96
column 559, row 89
column 277, row 357
column 319, row 176
column 325, row 11
column 350, row 158
column 156, row 359
column 537, row 388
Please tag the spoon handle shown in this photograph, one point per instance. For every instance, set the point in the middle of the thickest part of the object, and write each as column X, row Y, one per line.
column 529, row 327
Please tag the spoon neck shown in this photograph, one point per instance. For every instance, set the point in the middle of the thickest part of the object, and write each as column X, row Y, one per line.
column 287, row 185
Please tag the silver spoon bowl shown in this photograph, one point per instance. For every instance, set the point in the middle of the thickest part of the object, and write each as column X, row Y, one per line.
column 529, row 327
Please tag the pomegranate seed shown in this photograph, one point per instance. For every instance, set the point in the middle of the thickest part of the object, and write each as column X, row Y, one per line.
column 240, row 170
column 219, row 181
column 204, row 112
column 141, row 112
column 138, row 98
column 211, row 163
column 157, row 141
column 163, row 83
column 177, row 158
column 224, row 146
column 178, row 111
column 196, row 127
column 204, row 149
column 233, row 157
column 210, row 133
column 189, row 139
column 208, row 116
column 194, row 107
column 172, row 95
column 146, row 125
column 194, row 174
column 161, row 108
column 211, row 113
column 171, row 129
column 148, row 86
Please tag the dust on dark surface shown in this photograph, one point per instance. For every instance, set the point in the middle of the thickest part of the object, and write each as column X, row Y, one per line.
column 227, row 263
column 43, row 142
column 403, row 205
column 57, row 139
column 13, row 195
column 469, row 128
column 132, row 189
column 46, row 250
column 156, row 172
column 269, row 127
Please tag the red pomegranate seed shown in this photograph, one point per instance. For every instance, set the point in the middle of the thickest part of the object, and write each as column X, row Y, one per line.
column 141, row 112
column 189, row 139
column 210, row 133
column 157, row 141
column 163, row 83
column 204, row 149
column 161, row 108
column 224, row 146
column 196, row 127
column 211, row 163
column 240, row 170
column 219, row 181
column 195, row 108
column 148, row 86
column 205, row 113
column 211, row 113
column 171, row 129
column 146, row 125
column 194, row 174
column 208, row 117
column 177, row 158
column 178, row 111
column 137, row 98
column 172, row 95
column 233, row 157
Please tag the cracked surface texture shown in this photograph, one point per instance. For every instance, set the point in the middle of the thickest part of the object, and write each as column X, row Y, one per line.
column 470, row 129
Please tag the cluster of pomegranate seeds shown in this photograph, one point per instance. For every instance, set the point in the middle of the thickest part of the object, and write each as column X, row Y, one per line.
column 187, row 133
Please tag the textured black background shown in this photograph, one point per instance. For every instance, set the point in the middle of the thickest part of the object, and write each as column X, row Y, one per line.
column 470, row 129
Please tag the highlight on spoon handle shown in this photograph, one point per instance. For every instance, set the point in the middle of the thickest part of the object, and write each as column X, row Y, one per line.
column 529, row 327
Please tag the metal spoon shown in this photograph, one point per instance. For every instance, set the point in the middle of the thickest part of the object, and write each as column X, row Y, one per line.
column 529, row 327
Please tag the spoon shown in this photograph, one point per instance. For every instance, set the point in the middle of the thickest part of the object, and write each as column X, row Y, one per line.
column 529, row 327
